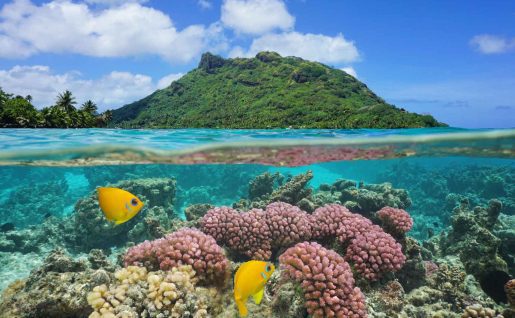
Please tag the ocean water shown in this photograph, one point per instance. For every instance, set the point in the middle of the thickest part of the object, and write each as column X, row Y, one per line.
column 48, row 176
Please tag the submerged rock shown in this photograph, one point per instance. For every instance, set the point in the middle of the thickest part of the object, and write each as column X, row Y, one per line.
column 56, row 289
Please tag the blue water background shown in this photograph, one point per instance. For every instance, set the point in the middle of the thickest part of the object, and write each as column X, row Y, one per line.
column 29, row 194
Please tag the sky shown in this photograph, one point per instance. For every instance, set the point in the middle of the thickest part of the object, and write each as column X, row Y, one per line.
column 454, row 60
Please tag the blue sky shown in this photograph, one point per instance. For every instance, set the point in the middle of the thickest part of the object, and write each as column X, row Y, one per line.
column 452, row 59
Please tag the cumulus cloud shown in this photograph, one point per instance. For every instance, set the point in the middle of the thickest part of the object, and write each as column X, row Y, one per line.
column 168, row 79
column 492, row 44
column 317, row 47
column 129, row 29
column 350, row 70
column 111, row 90
column 256, row 16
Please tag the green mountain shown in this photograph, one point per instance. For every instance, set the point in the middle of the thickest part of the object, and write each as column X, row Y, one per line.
column 268, row 91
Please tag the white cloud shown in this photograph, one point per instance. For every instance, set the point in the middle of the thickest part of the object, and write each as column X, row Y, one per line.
column 316, row 47
column 205, row 4
column 350, row 70
column 256, row 16
column 492, row 44
column 114, row 2
column 125, row 30
column 111, row 90
column 168, row 79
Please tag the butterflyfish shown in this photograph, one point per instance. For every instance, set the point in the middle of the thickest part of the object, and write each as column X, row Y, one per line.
column 250, row 280
column 119, row 206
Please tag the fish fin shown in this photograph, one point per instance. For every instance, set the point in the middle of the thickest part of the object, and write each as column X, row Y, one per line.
column 118, row 222
column 258, row 296
column 242, row 308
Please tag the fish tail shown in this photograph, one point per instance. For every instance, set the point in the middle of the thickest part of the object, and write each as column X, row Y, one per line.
column 242, row 308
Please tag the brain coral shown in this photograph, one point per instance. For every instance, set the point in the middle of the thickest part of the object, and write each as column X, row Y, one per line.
column 184, row 247
column 395, row 221
column 326, row 279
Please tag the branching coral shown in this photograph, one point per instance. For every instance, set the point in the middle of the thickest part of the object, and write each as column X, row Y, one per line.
column 184, row 247
column 326, row 280
column 137, row 293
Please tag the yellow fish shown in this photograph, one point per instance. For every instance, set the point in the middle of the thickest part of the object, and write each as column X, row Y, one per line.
column 119, row 206
column 250, row 280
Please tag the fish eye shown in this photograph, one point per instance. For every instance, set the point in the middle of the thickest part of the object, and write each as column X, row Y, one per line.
column 134, row 202
column 268, row 267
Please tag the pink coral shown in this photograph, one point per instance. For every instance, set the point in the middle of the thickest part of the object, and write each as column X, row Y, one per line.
column 326, row 279
column 184, row 247
column 256, row 233
column 395, row 221
column 334, row 220
column 374, row 253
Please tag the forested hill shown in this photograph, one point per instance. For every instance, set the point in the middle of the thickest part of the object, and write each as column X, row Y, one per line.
column 268, row 91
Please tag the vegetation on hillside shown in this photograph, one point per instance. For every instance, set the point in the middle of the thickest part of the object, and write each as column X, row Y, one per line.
column 268, row 91
column 18, row 112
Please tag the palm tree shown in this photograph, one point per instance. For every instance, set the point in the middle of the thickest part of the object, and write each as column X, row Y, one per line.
column 66, row 102
column 89, row 107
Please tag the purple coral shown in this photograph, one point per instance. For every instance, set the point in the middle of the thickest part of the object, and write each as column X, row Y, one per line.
column 371, row 250
column 374, row 253
column 184, row 247
column 395, row 221
column 256, row 232
column 334, row 220
column 326, row 279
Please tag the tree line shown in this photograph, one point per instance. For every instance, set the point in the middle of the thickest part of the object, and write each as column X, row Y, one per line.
column 18, row 112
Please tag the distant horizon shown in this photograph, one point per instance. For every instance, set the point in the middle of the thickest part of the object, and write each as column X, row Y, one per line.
column 454, row 61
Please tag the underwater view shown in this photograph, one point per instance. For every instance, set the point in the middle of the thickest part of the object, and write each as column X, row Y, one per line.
column 257, row 223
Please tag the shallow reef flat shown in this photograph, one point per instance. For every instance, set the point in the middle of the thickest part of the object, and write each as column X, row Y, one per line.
column 342, row 249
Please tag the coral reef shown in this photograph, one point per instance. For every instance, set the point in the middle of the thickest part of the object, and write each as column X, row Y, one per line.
column 138, row 293
column 478, row 311
column 375, row 253
column 92, row 230
column 362, row 198
column 472, row 239
column 326, row 279
column 395, row 221
column 293, row 190
column 372, row 251
column 257, row 233
column 183, row 247
column 57, row 289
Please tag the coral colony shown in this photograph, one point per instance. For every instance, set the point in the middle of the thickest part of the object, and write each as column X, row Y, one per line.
column 341, row 250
